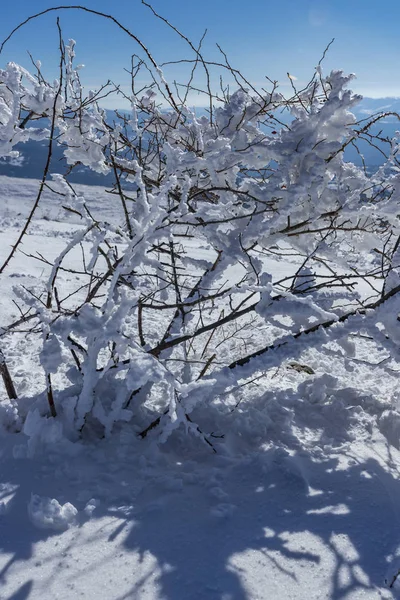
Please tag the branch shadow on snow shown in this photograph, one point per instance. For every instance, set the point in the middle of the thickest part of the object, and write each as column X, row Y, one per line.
column 230, row 529
column 23, row 592
column 278, row 520
column 202, row 546
column 18, row 535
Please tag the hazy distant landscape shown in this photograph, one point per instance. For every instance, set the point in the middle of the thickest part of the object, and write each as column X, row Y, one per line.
column 33, row 154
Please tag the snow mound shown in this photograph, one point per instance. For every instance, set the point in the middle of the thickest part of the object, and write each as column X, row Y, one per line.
column 91, row 507
column 48, row 513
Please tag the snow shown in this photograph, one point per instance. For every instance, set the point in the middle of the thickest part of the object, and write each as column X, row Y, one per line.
column 300, row 501
column 48, row 513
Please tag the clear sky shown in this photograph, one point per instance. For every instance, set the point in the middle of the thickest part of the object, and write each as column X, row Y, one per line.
column 261, row 37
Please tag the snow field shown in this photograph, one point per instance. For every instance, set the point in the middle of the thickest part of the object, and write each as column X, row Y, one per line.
column 300, row 501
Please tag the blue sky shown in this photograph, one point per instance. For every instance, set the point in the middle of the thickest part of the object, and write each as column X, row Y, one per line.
column 261, row 37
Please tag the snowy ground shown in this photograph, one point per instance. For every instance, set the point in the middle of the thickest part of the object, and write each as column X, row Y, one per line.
column 301, row 501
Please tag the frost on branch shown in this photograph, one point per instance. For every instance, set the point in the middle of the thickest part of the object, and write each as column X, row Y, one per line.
column 240, row 239
column 20, row 91
column 24, row 99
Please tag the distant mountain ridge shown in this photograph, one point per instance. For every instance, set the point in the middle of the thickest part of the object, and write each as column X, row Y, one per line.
column 33, row 154
column 370, row 106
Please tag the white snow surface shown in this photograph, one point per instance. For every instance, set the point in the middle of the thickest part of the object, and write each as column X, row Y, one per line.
column 301, row 500
column 47, row 513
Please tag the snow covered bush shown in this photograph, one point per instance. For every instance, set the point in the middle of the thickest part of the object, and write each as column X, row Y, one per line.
column 243, row 235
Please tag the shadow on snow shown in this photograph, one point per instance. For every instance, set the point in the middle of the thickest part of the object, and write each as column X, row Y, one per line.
column 273, row 521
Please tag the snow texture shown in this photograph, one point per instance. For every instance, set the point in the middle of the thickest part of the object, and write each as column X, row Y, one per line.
column 48, row 513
